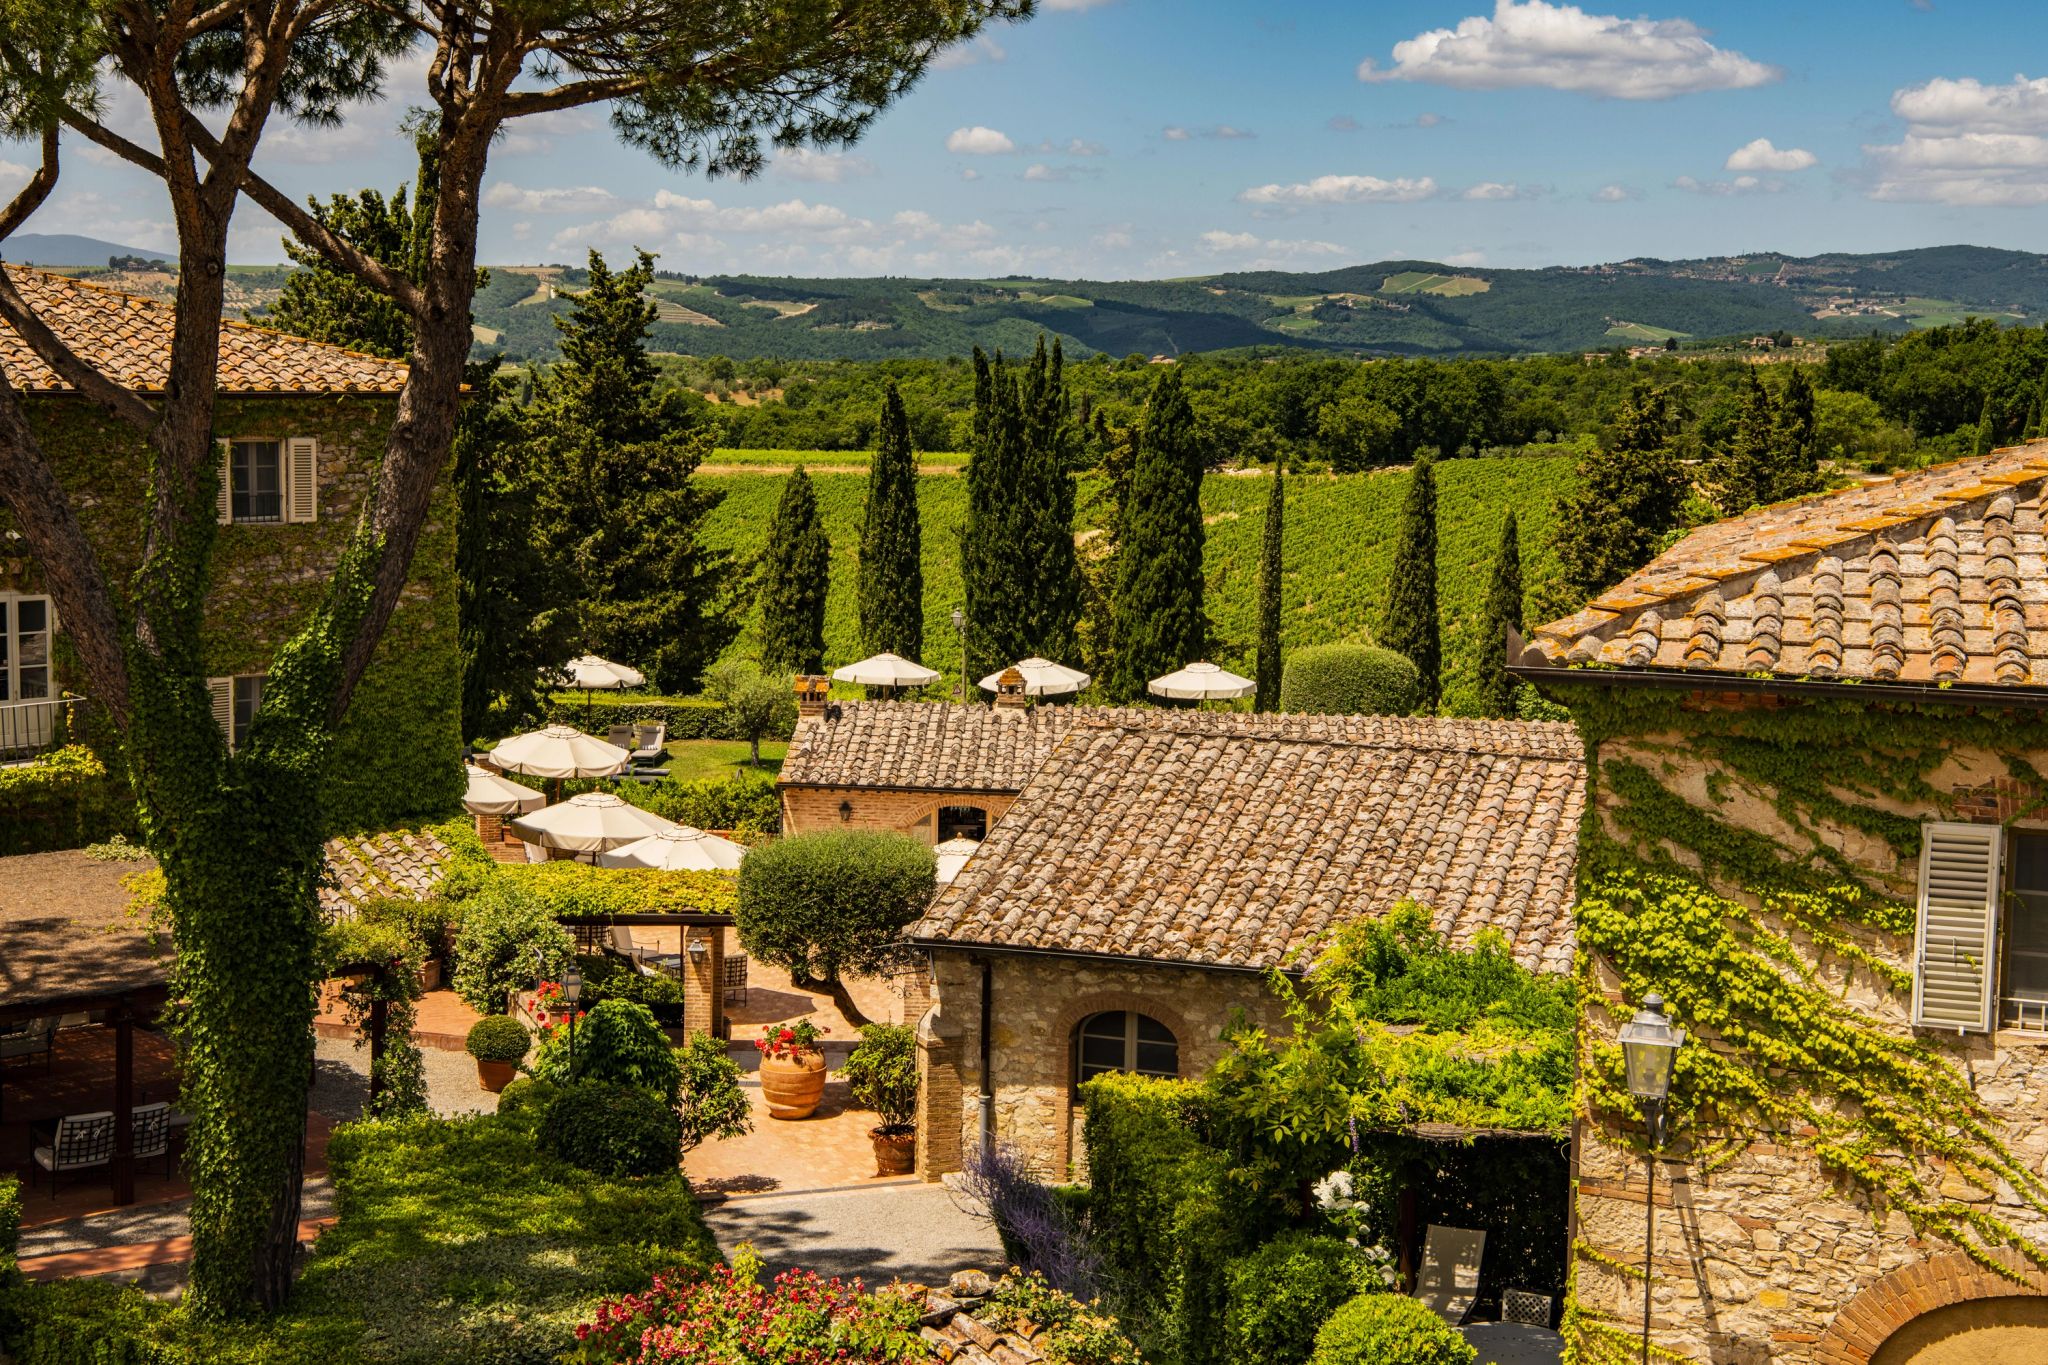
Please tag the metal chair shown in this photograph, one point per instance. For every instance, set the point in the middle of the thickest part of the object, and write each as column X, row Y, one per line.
column 152, row 1131
column 27, row 1037
column 82, row 1142
column 1526, row 1307
column 735, row 983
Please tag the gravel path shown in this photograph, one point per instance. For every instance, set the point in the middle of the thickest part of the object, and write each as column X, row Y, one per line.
column 913, row 1231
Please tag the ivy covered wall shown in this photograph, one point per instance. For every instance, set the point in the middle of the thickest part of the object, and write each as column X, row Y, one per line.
column 397, row 759
column 1754, row 860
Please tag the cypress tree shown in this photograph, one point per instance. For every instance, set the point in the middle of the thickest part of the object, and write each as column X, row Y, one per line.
column 994, row 567
column 1411, row 626
column 1503, row 612
column 1798, row 462
column 1629, row 495
column 1158, row 623
column 1046, row 510
column 1987, row 438
column 795, row 570
column 891, row 542
column 1268, row 695
column 1746, row 471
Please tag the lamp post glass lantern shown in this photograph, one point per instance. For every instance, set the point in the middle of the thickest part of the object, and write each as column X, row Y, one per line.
column 1649, row 1047
column 572, row 991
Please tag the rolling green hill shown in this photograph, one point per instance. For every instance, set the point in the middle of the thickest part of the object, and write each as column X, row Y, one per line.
column 1389, row 307
column 1340, row 546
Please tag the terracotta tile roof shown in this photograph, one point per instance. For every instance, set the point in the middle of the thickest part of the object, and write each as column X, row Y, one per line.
column 402, row 864
column 129, row 340
column 69, row 933
column 1936, row 576
column 1238, row 849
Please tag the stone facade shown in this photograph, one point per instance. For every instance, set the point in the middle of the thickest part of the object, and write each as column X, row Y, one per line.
column 808, row 809
column 1761, row 1256
column 1037, row 1003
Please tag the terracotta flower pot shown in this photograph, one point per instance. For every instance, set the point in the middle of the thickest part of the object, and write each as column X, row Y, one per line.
column 495, row 1076
column 895, row 1149
column 793, row 1085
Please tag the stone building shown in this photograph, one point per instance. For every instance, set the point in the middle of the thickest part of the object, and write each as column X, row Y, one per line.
column 1159, row 864
column 302, row 428
column 1822, row 723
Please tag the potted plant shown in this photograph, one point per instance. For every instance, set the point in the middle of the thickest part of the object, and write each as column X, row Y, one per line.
column 499, row 1043
column 882, row 1075
column 792, row 1068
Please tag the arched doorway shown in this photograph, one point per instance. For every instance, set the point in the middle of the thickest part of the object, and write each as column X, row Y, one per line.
column 2006, row 1331
column 1946, row 1310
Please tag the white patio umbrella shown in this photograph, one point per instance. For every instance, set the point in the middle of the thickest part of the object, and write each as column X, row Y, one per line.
column 490, row 794
column 559, row 751
column 591, row 673
column 1042, row 678
column 953, row 855
column 886, row 670
column 678, row 849
column 1202, row 682
column 594, row 822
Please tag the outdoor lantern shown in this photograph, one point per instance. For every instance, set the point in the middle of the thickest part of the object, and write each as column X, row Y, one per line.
column 699, row 947
column 845, row 810
column 1649, row 1046
column 572, row 987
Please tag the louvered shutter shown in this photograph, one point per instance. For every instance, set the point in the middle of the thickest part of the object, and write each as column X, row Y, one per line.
column 224, row 500
column 1955, row 950
column 302, row 479
column 222, row 693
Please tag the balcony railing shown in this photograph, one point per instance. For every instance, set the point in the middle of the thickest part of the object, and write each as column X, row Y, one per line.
column 29, row 728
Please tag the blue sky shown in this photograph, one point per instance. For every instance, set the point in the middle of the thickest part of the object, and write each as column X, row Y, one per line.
column 1145, row 138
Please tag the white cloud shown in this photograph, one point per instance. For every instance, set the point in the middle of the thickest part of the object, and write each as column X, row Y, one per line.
column 969, row 173
column 978, row 141
column 1760, row 155
column 1966, row 143
column 1427, row 120
column 1343, row 189
column 1073, row 146
column 1215, row 132
column 982, row 49
column 1741, row 184
column 535, row 134
column 1562, row 47
column 1230, row 241
column 1466, row 258
column 826, row 168
column 1116, row 239
column 1266, row 253
column 1224, row 132
column 1039, row 171
column 1174, row 133
column 14, row 170
column 1494, row 191
column 1615, row 194
column 1342, row 123
column 581, row 199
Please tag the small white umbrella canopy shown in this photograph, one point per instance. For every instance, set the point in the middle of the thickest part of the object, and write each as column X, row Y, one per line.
column 886, row 670
column 1202, row 682
column 592, row 673
column 559, row 751
column 594, row 822
column 680, row 849
column 490, row 794
column 953, row 855
column 1042, row 678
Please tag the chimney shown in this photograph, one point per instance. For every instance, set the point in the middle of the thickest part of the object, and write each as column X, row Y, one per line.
column 1010, row 689
column 811, row 690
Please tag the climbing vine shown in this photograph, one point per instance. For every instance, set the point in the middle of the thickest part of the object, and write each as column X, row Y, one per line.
column 1756, row 933
column 378, row 960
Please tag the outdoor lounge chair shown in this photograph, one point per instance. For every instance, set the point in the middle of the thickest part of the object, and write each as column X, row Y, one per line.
column 82, row 1142
column 536, row 854
column 27, row 1037
column 1448, row 1281
column 650, row 741
column 620, row 735
column 649, row 962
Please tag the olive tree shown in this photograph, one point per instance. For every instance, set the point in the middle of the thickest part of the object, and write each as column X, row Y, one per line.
column 696, row 84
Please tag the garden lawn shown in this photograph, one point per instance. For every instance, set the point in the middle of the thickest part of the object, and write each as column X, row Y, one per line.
column 455, row 1240
column 692, row 760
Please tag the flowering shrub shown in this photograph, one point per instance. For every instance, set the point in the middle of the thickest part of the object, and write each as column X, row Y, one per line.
column 1075, row 1333
column 727, row 1318
column 790, row 1040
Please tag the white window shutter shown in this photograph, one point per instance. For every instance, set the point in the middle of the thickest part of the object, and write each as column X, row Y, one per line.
column 302, row 479
column 221, row 691
column 1955, row 951
column 224, row 500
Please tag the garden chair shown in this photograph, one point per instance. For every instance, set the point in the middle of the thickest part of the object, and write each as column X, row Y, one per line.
column 27, row 1037
column 82, row 1142
column 735, row 983
column 649, row 961
column 1448, row 1281
column 536, row 854
column 650, row 741
column 152, row 1131
column 620, row 735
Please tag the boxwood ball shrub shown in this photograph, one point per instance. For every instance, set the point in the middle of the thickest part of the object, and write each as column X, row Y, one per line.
column 498, row 1038
column 503, row 927
column 611, row 1130
column 1282, row 1294
column 1349, row 680
column 619, row 1043
column 1389, row 1329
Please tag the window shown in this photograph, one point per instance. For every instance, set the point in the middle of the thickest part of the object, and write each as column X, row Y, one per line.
column 24, row 648
column 1981, row 946
column 1121, row 1040
column 962, row 822
column 235, row 703
column 2023, row 1000
column 256, row 481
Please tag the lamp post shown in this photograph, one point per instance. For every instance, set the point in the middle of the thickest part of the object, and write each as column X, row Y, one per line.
column 1649, row 1046
column 572, row 991
column 960, row 629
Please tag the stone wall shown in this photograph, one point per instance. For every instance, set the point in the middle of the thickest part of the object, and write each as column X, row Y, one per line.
column 396, row 758
column 1758, row 1251
column 808, row 809
column 1037, row 1004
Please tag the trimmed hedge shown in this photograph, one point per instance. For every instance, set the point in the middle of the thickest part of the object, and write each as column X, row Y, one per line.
column 686, row 717
column 570, row 888
column 1282, row 1294
column 611, row 1130
column 1389, row 1329
column 1349, row 680
column 498, row 1038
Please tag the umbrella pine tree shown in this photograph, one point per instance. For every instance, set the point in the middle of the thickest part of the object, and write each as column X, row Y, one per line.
column 794, row 573
column 1158, row 623
column 1411, row 626
column 891, row 542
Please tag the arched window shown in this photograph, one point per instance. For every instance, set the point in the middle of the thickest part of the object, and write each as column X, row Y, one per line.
column 962, row 822
column 1121, row 1040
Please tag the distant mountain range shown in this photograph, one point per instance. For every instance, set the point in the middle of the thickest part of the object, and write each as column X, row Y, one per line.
column 68, row 249
column 1391, row 307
